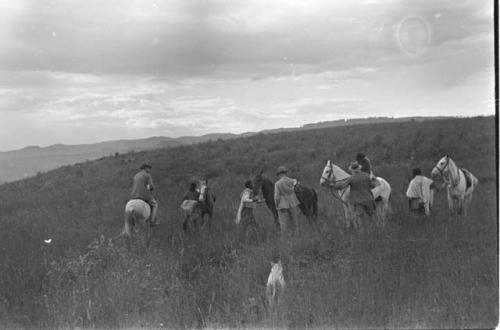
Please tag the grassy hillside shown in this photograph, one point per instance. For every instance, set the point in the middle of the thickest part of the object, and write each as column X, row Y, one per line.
column 437, row 273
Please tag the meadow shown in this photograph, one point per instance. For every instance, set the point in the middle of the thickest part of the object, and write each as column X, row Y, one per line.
column 438, row 272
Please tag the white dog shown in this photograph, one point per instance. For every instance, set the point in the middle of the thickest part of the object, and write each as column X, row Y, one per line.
column 275, row 284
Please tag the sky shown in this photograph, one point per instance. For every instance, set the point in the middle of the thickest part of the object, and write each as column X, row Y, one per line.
column 76, row 72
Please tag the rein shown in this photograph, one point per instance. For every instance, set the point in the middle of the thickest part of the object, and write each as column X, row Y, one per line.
column 337, row 197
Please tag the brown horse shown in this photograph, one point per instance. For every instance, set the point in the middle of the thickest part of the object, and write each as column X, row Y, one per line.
column 307, row 197
column 206, row 202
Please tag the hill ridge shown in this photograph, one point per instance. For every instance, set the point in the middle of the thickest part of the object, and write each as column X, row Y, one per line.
column 33, row 159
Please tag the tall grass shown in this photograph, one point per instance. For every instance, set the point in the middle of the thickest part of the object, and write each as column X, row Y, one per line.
column 437, row 272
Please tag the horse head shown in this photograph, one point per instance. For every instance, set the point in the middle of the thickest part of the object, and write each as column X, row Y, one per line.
column 441, row 168
column 257, row 182
column 332, row 173
column 327, row 176
column 203, row 190
column 446, row 171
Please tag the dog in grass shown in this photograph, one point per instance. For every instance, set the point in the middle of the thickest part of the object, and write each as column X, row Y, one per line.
column 275, row 284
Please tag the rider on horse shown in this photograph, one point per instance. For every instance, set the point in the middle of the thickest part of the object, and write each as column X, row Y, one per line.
column 364, row 162
column 143, row 188
column 366, row 166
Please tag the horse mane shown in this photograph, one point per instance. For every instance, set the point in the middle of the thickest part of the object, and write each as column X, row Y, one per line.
column 267, row 186
column 337, row 169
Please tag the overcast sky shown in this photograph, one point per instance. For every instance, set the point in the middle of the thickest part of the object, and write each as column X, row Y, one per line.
column 74, row 71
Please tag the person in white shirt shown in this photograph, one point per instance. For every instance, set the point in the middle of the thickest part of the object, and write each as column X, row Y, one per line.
column 420, row 193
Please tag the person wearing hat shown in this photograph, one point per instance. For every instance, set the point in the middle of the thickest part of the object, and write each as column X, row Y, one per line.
column 285, row 199
column 364, row 162
column 366, row 166
column 142, row 188
column 360, row 195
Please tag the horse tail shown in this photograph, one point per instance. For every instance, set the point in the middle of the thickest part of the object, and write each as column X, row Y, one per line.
column 127, row 223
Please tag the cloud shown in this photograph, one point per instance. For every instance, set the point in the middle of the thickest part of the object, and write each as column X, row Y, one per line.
column 189, row 67
column 193, row 37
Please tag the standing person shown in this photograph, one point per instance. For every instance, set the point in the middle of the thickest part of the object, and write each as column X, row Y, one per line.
column 192, row 194
column 420, row 194
column 285, row 199
column 360, row 195
column 142, row 189
column 248, row 201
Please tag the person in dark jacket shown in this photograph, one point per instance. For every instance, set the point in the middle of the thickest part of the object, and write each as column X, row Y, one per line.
column 360, row 195
column 364, row 162
column 192, row 193
column 142, row 188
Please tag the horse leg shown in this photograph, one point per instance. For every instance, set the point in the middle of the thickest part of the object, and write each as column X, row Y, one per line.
column 200, row 220
column 347, row 216
column 127, row 231
column 185, row 222
column 378, row 213
column 274, row 211
column 314, row 206
column 451, row 204
column 384, row 207
column 209, row 218
column 467, row 202
column 197, row 220
column 461, row 202
column 307, row 212
column 147, row 235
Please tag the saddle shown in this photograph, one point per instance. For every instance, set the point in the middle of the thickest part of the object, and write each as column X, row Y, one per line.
column 468, row 179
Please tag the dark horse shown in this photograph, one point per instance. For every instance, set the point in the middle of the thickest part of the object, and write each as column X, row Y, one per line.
column 307, row 197
column 198, row 209
column 206, row 202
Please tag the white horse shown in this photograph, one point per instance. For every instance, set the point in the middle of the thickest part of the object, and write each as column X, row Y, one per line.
column 332, row 173
column 459, row 182
column 137, row 214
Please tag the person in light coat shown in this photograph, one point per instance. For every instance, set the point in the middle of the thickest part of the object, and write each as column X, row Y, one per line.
column 420, row 193
column 285, row 200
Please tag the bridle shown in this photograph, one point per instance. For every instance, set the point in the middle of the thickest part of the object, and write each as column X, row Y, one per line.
column 328, row 178
column 442, row 173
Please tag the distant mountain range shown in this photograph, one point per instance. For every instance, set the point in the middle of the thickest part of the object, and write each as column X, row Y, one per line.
column 29, row 161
